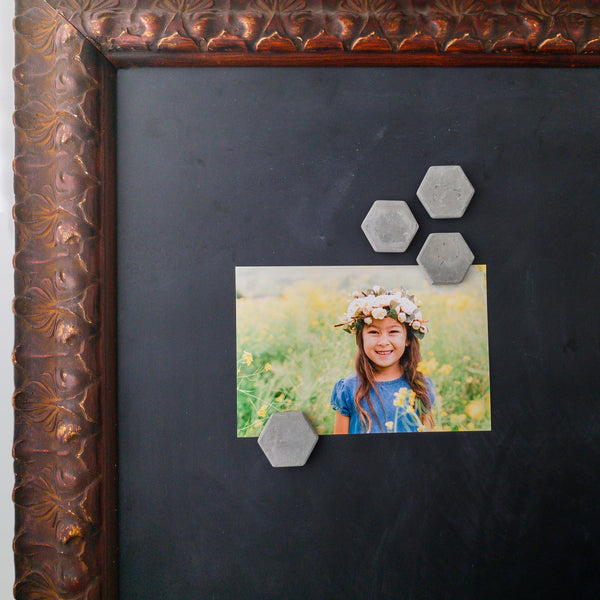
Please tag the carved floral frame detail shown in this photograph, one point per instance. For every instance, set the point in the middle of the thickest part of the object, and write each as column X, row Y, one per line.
column 67, row 53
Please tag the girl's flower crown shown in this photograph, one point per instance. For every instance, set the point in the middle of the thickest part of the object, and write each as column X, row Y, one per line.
column 377, row 303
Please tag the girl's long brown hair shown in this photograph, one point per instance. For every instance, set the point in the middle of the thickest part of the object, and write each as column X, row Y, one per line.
column 366, row 376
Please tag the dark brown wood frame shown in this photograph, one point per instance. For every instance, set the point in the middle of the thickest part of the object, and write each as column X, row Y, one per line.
column 67, row 55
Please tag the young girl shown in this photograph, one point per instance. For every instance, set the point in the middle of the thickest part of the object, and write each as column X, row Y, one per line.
column 387, row 393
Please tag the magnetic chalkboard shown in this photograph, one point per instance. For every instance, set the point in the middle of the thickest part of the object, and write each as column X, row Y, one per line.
column 269, row 166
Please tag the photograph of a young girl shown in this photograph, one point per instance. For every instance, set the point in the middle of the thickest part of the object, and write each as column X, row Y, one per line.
column 387, row 393
column 362, row 349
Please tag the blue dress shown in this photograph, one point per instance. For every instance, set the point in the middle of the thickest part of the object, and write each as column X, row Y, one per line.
column 392, row 418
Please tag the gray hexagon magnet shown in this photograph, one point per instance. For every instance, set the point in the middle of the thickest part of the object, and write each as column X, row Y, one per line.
column 287, row 439
column 445, row 192
column 389, row 226
column 445, row 258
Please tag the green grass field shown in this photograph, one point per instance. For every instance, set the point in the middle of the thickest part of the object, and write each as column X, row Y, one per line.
column 289, row 354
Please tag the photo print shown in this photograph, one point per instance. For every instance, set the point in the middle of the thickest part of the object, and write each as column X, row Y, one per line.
column 362, row 349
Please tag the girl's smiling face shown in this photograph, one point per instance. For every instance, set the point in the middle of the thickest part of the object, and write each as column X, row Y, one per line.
column 384, row 342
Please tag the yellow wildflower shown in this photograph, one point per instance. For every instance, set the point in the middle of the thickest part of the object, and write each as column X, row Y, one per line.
column 262, row 411
column 268, row 367
column 475, row 410
column 400, row 396
column 280, row 398
column 412, row 398
column 427, row 367
column 445, row 369
column 456, row 419
column 247, row 357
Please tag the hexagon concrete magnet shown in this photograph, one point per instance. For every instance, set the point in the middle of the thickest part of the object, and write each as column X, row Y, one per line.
column 445, row 192
column 389, row 226
column 287, row 439
column 445, row 258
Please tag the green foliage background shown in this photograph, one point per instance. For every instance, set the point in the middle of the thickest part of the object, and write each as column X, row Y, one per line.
column 289, row 354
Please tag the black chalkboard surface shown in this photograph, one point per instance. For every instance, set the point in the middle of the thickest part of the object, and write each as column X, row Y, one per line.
column 226, row 167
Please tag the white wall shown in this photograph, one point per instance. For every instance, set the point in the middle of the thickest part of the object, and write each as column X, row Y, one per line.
column 6, row 295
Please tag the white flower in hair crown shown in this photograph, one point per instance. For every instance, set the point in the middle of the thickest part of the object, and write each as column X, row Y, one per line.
column 377, row 303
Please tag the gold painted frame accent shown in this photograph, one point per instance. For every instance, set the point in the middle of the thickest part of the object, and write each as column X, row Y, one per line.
column 67, row 54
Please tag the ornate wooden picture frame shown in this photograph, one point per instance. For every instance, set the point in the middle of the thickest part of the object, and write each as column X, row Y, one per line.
column 67, row 55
